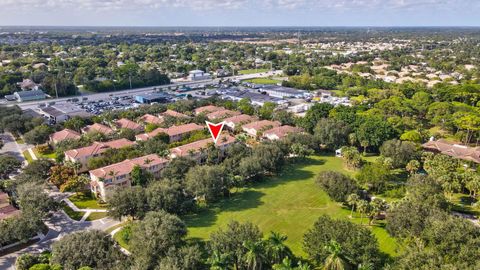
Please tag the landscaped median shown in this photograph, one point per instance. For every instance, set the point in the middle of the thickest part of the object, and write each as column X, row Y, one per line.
column 84, row 207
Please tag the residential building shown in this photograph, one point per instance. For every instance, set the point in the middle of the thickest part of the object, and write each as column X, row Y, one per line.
column 150, row 119
column 98, row 128
column 255, row 129
column 175, row 133
column 128, row 124
column 280, row 132
column 255, row 98
column 106, row 179
column 82, row 155
column 64, row 135
column 198, row 75
column 174, row 114
column 222, row 114
column 196, row 149
column 454, row 150
column 207, row 109
column 238, row 120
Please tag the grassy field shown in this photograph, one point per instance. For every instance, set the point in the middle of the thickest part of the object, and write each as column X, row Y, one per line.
column 51, row 155
column 262, row 81
column 252, row 71
column 96, row 215
column 72, row 214
column 27, row 156
column 289, row 203
column 86, row 201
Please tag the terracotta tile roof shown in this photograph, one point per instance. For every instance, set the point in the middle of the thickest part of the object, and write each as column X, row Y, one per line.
column 208, row 109
column 126, row 166
column 261, row 125
column 6, row 209
column 98, row 148
column 174, row 114
column 222, row 114
column 171, row 131
column 65, row 134
column 99, row 128
column 150, row 119
column 454, row 150
column 128, row 124
column 238, row 119
column 185, row 150
column 282, row 131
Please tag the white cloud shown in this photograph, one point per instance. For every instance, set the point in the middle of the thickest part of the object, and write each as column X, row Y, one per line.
column 219, row 5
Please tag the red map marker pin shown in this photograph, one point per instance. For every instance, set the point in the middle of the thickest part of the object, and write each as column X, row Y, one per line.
column 215, row 129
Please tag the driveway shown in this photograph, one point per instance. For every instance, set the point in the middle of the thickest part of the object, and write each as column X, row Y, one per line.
column 59, row 225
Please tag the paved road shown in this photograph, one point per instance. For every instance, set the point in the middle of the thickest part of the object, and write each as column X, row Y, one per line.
column 106, row 95
column 59, row 225
column 11, row 147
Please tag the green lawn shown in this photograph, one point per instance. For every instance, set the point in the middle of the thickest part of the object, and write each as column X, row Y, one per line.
column 27, row 156
column 252, row 71
column 96, row 215
column 122, row 236
column 19, row 140
column 289, row 203
column 51, row 155
column 86, row 201
column 72, row 214
column 464, row 204
column 262, row 81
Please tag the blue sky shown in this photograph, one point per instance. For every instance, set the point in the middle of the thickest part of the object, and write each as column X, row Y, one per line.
column 241, row 12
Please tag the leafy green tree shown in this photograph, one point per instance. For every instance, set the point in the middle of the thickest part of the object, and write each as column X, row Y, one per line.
column 140, row 176
column 177, row 168
column 335, row 259
column 358, row 243
column 38, row 135
column 373, row 131
column 245, row 106
column 375, row 176
column 314, row 114
column 400, row 152
column 8, row 164
column 206, row 183
column 337, row 185
column 266, row 111
column 230, row 241
column 168, row 195
column 331, row 133
column 128, row 202
column 154, row 236
column 97, row 251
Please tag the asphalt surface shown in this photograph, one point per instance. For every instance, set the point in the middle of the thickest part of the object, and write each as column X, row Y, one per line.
column 132, row 92
column 11, row 147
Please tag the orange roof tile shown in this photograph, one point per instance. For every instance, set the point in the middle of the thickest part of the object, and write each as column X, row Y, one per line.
column 174, row 114
column 184, row 150
column 151, row 119
column 282, row 131
column 98, row 148
column 208, row 109
column 128, row 124
column 261, row 125
column 65, row 134
column 99, row 128
column 126, row 166
column 222, row 114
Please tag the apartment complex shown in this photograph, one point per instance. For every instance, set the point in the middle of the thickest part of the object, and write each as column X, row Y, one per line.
column 175, row 133
column 196, row 149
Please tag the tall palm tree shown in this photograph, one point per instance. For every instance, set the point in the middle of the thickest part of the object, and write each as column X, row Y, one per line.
column 335, row 259
column 113, row 175
column 352, row 200
column 276, row 248
column 362, row 206
column 285, row 265
column 218, row 261
column 254, row 258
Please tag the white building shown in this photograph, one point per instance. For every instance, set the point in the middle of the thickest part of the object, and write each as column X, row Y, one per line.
column 198, row 75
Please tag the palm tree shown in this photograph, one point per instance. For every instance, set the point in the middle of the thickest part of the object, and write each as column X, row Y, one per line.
column 276, row 248
column 113, row 175
column 362, row 206
column 285, row 265
column 218, row 261
column 335, row 259
column 352, row 200
column 255, row 254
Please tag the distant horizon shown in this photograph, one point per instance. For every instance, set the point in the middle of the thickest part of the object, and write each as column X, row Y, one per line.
column 268, row 13
column 246, row 26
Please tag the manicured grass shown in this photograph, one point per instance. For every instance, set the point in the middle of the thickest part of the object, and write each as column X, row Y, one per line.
column 263, row 81
column 465, row 204
column 252, row 71
column 86, row 201
column 51, row 155
column 289, row 203
column 96, row 215
column 27, row 156
column 122, row 236
column 19, row 140
column 72, row 214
